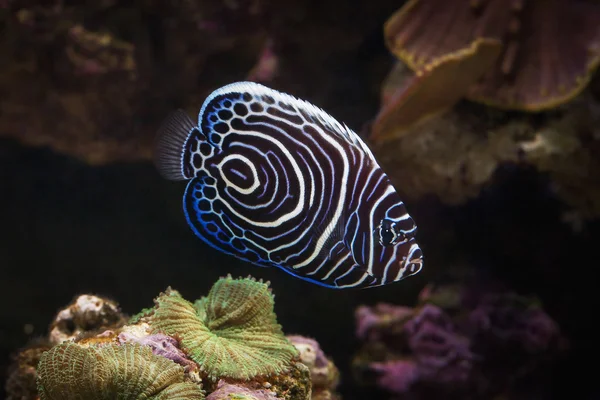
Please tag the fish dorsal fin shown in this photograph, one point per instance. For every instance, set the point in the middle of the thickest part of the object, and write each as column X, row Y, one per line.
column 254, row 99
column 169, row 147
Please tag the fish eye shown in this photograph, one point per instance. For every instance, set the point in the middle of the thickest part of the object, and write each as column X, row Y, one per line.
column 388, row 233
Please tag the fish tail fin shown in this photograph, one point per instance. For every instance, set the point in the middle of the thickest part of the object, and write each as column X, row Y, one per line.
column 169, row 145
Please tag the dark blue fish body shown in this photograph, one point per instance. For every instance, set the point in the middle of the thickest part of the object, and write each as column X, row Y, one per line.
column 276, row 181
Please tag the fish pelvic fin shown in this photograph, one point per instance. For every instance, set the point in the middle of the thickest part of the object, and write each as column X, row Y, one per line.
column 170, row 146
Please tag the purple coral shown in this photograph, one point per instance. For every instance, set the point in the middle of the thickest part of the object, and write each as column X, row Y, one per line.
column 310, row 351
column 162, row 345
column 442, row 354
column 438, row 352
column 323, row 372
column 453, row 329
column 508, row 319
column 396, row 376
column 370, row 320
column 226, row 391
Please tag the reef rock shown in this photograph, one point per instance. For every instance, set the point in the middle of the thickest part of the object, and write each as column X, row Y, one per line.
column 225, row 345
column 87, row 313
column 324, row 374
column 453, row 156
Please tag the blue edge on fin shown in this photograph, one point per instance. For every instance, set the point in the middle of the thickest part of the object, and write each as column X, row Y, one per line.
column 188, row 220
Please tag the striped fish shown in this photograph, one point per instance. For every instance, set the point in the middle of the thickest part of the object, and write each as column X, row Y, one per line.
column 276, row 181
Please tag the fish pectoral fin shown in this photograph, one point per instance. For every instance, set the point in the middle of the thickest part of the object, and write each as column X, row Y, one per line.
column 170, row 143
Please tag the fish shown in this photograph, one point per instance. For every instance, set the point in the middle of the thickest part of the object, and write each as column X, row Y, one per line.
column 277, row 182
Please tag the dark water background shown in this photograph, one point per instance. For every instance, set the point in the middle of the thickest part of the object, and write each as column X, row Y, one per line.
column 68, row 228
column 118, row 231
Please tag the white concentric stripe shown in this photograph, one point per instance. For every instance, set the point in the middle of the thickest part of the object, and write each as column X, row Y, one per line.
column 413, row 247
column 299, row 128
column 250, row 165
column 340, row 205
column 355, row 283
column 298, row 143
column 389, row 191
column 391, row 261
column 268, row 201
column 257, row 89
column 317, row 164
column 299, row 206
column 315, row 213
column 311, row 199
column 336, row 266
column 359, row 173
column 358, row 206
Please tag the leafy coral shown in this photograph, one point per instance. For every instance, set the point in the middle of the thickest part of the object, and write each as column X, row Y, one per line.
column 233, row 332
column 72, row 371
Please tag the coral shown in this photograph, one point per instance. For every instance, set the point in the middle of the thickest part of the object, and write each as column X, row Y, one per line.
column 561, row 145
column 371, row 320
column 233, row 332
column 227, row 391
column 22, row 375
column 161, row 345
column 523, row 73
column 71, row 371
column 433, row 90
column 86, row 313
column 181, row 391
column 396, row 376
column 509, row 319
column 145, row 312
column 441, row 353
column 93, row 53
column 477, row 340
column 101, row 75
column 228, row 344
column 296, row 384
column 323, row 372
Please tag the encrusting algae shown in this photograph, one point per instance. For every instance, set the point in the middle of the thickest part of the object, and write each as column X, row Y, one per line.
column 174, row 350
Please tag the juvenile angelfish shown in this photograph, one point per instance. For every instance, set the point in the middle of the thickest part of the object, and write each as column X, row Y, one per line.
column 276, row 181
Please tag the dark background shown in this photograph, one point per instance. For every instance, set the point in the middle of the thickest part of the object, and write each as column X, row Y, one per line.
column 117, row 230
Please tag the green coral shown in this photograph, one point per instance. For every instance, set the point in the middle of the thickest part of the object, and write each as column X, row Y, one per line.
column 127, row 372
column 232, row 333
column 145, row 312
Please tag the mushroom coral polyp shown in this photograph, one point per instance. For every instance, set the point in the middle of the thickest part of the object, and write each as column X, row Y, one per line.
column 72, row 371
column 232, row 332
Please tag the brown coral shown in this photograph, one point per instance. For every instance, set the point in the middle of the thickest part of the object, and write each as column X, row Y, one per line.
column 94, row 79
column 435, row 88
column 561, row 144
column 549, row 52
